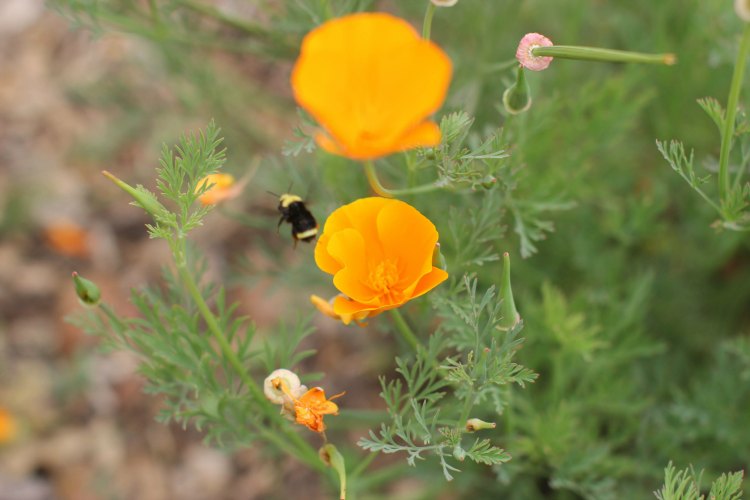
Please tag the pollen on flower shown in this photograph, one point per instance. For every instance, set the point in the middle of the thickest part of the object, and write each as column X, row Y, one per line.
column 384, row 276
column 524, row 55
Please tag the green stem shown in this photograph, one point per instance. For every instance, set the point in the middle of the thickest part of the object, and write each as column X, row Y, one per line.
column 597, row 54
column 406, row 333
column 500, row 66
column 727, row 133
column 248, row 28
column 468, row 405
column 306, row 452
column 427, row 23
column 380, row 190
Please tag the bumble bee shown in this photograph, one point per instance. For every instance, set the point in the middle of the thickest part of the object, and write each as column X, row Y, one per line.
column 294, row 211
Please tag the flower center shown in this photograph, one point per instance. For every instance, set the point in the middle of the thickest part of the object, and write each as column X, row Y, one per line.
column 384, row 276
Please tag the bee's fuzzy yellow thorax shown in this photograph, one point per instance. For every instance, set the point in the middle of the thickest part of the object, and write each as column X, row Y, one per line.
column 287, row 199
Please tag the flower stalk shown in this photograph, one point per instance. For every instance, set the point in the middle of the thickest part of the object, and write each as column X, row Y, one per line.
column 427, row 23
column 380, row 190
column 604, row 55
column 727, row 134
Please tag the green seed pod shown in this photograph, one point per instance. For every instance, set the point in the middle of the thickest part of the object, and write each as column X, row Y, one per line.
column 510, row 314
column 86, row 290
column 475, row 424
column 517, row 98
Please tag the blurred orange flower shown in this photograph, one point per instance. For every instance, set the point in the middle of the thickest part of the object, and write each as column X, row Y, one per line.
column 326, row 307
column 379, row 251
column 8, row 427
column 67, row 239
column 224, row 188
column 371, row 81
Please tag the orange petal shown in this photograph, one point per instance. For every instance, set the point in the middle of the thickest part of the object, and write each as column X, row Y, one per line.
column 323, row 259
column 423, row 135
column 429, row 281
column 348, row 248
column 369, row 79
column 399, row 223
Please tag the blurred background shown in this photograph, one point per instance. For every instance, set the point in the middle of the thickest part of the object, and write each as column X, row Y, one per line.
column 87, row 86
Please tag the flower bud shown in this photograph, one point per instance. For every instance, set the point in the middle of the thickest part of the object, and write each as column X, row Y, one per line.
column 86, row 290
column 331, row 456
column 142, row 196
column 742, row 8
column 438, row 259
column 280, row 384
column 459, row 453
column 517, row 97
column 444, row 3
column 474, row 424
column 510, row 315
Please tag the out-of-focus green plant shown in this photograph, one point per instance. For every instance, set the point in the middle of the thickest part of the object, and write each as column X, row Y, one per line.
column 629, row 302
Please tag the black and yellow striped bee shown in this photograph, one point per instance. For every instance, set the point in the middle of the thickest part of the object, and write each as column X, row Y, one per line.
column 294, row 211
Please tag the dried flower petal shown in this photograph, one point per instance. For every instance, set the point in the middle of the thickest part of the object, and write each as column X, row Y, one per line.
column 279, row 383
column 526, row 58
column 312, row 406
column 371, row 82
column 379, row 252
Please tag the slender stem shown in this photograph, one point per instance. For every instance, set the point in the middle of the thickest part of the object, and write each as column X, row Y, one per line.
column 427, row 23
column 597, row 54
column 468, row 405
column 249, row 28
column 727, row 134
column 405, row 330
column 362, row 465
column 380, row 190
column 306, row 453
column 500, row 66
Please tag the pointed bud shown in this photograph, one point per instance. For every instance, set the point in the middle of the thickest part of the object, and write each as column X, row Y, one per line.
column 517, row 97
column 444, row 3
column 510, row 314
column 474, row 424
column 332, row 458
column 142, row 197
column 438, row 260
column 459, row 453
column 86, row 290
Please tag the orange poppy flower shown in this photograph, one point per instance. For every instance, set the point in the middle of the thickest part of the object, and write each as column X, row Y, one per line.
column 67, row 239
column 224, row 188
column 371, row 81
column 8, row 427
column 379, row 251
column 326, row 307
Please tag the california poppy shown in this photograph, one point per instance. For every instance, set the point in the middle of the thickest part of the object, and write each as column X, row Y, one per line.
column 380, row 253
column 371, row 82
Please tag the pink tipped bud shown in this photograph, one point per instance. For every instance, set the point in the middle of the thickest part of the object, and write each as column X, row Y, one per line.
column 529, row 60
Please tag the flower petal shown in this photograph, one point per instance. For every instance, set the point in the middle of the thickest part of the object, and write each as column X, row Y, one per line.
column 369, row 80
column 408, row 238
column 348, row 248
